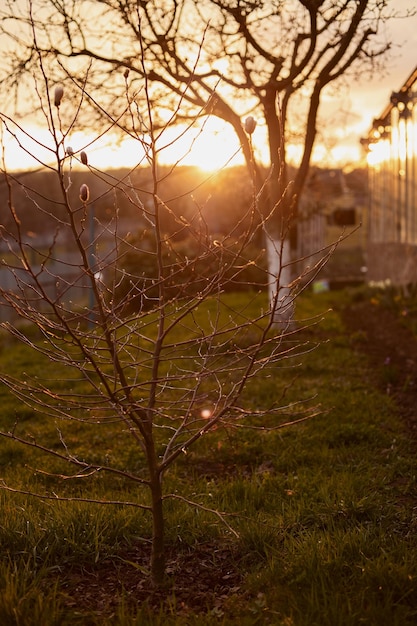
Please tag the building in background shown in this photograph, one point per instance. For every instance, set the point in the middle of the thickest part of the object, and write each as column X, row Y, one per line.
column 391, row 145
column 331, row 212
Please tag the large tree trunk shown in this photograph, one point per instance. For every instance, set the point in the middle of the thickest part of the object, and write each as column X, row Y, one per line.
column 280, row 277
column 280, row 208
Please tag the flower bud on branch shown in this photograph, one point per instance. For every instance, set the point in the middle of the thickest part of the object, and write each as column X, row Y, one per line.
column 84, row 193
column 83, row 157
column 250, row 125
column 59, row 92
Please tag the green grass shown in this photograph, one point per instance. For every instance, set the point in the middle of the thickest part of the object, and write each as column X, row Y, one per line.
column 325, row 510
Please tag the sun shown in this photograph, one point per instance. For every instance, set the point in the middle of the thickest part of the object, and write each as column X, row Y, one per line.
column 211, row 147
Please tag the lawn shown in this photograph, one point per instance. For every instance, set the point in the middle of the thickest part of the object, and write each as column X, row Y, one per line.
column 320, row 516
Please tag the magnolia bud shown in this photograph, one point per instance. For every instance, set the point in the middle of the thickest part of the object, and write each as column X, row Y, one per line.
column 250, row 124
column 126, row 72
column 83, row 157
column 84, row 193
column 59, row 92
column 69, row 151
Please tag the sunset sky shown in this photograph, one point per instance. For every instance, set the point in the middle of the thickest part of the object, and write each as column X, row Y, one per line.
column 348, row 113
column 358, row 104
column 368, row 100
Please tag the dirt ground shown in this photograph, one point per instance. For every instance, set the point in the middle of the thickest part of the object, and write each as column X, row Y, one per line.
column 208, row 579
column 203, row 578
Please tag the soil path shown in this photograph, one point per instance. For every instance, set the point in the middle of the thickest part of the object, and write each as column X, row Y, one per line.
column 392, row 349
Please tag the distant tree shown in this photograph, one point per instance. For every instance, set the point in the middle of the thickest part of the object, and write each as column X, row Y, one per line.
column 220, row 196
column 233, row 59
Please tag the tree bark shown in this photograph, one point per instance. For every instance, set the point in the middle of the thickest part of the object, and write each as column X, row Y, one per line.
column 158, row 534
column 279, row 267
column 157, row 562
column 278, row 243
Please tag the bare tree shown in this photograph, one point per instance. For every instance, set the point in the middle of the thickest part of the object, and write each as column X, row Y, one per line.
column 270, row 59
column 163, row 353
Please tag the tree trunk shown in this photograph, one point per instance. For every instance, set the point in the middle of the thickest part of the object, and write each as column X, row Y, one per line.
column 280, row 275
column 157, row 563
column 158, row 543
column 278, row 242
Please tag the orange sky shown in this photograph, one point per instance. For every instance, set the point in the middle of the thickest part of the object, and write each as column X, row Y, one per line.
column 355, row 107
column 368, row 100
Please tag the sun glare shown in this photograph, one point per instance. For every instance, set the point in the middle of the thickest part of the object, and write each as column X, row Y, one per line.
column 211, row 148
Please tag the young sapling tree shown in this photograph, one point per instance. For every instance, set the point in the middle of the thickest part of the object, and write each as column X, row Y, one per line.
column 136, row 326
